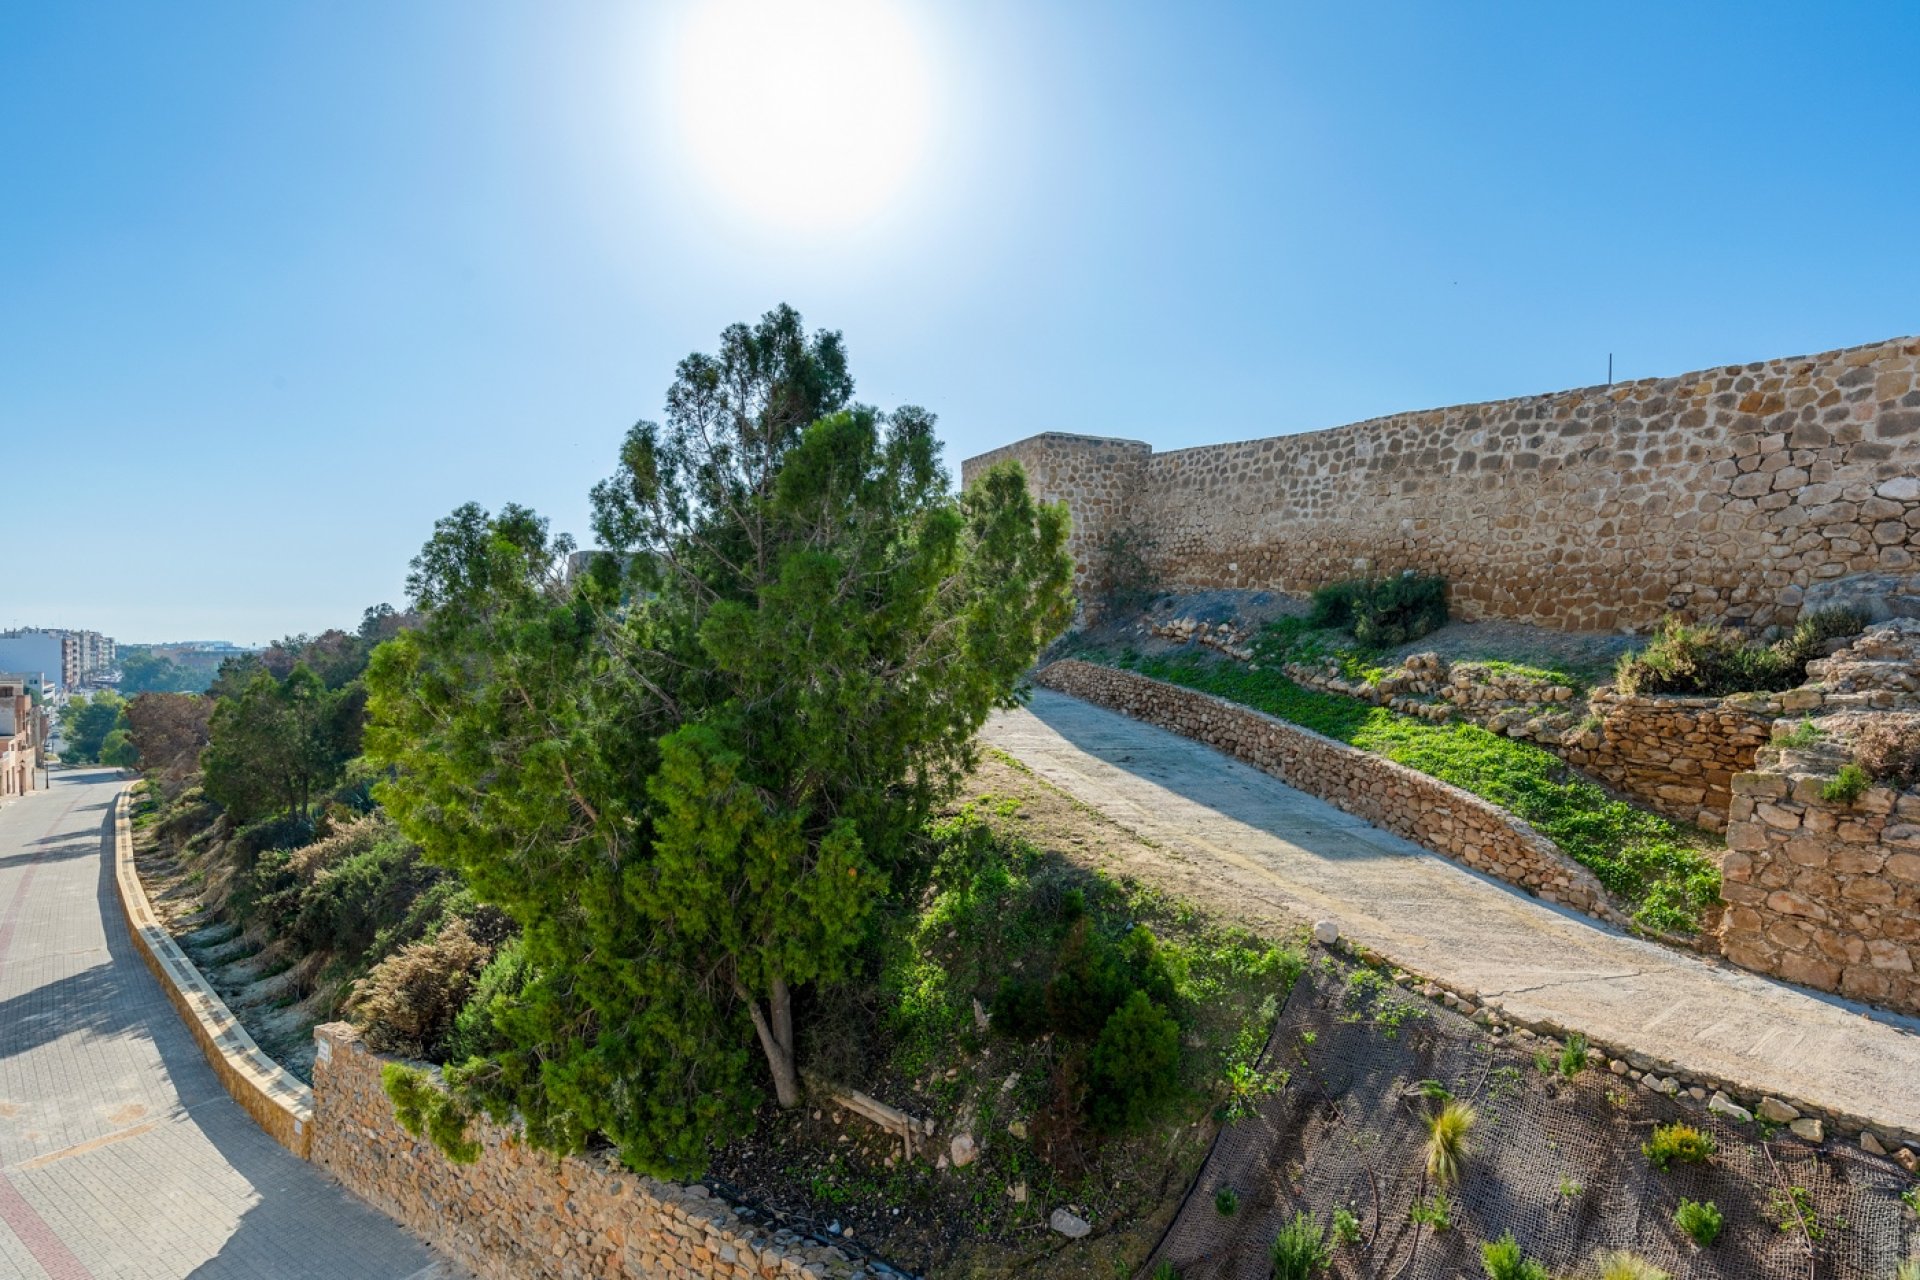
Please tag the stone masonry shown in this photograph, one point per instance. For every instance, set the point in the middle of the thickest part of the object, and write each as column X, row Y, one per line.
column 1727, row 494
column 1677, row 755
column 519, row 1214
column 1429, row 812
column 1827, row 892
column 1824, row 894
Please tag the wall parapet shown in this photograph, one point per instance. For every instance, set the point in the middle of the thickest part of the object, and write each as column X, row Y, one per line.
column 1434, row 814
column 276, row 1099
column 517, row 1213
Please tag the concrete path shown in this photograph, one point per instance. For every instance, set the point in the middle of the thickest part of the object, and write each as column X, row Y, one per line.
column 120, row 1154
column 1268, row 845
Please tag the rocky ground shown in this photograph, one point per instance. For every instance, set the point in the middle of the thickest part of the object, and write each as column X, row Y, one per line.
column 1587, row 655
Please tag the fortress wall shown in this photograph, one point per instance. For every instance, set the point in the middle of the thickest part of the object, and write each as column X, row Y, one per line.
column 1722, row 494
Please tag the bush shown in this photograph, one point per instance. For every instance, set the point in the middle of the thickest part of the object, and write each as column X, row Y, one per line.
column 1382, row 612
column 1093, row 977
column 1300, row 1250
column 1226, row 1202
column 1135, row 1064
column 1503, row 1260
column 1701, row 1222
column 1682, row 1142
column 1710, row 660
column 408, row 1003
column 1020, row 1008
column 1846, row 786
column 1889, row 750
column 504, row 978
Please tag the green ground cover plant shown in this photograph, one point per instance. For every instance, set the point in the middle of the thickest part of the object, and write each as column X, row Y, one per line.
column 1504, row 1260
column 1300, row 1250
column 1702, row 1221
column 1648, row 861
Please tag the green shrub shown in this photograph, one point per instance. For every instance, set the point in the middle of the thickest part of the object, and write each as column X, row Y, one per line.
column 1710, row 660
column 1381, row 612
column 1093, row 976
column 1134, row 1066
column 1400, row 609
column 1573, row 1056
column 1503, row 1260
column 1346, row 1226
column 1435, row 1211
column 495, row 990
column 1846, row 786
column 1701, row 1221
column 1164, row 1270
column 1226, row 1202
column 423, row 1109
column 1020, row 1008
column 1682, row 1142
column 1802, row 736
column 1300, row 1250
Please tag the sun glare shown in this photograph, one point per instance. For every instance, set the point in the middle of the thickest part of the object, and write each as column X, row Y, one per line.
column 805, row 114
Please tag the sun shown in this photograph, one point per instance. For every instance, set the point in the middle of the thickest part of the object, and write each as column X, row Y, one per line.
column 805, row 114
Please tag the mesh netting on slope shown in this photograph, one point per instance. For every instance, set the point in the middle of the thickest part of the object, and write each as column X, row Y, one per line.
column 1556, row 1162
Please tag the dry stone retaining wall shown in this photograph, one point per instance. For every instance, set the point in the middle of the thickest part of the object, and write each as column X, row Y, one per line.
column 1727, row 494
column 517, row 1213
column 1824, row 894
column 1408, row 803
column 1676, row 755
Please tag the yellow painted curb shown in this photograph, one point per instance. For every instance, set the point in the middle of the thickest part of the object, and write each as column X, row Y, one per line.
column 270, row 1093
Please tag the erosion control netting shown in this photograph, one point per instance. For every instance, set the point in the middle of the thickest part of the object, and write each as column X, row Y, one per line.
column 1555, row 1161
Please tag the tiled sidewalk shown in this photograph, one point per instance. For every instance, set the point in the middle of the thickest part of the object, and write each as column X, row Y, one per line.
column 120, row 1154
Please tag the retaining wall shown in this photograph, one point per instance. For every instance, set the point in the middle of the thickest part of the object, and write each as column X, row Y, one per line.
column 1408, row 803
column 517, row 1213
column 1725, row 494
column 1824, row 894
column 272, row 1095
column 1676, row 755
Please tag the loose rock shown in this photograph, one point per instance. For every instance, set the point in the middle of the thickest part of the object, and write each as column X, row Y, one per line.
column 1069, row 1225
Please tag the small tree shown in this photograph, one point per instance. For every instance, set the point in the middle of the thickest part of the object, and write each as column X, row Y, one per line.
column 692, row 771
column 273, row 745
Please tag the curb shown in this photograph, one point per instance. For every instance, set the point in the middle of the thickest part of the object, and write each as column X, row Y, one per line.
column 267, row 1091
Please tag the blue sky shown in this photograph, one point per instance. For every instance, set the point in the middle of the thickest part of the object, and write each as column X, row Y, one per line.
column 282, row 283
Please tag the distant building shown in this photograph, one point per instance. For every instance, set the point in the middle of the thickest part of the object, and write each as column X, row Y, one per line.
column 65, row 659
column 23, row 737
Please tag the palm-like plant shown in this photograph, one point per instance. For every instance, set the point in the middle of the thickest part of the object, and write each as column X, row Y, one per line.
column 1448, row 1144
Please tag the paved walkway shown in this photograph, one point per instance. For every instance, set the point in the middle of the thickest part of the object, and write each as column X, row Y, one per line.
column 120, row 1154
column 1275, row 847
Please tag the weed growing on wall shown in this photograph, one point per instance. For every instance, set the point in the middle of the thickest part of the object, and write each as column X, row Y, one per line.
column 1642, row 858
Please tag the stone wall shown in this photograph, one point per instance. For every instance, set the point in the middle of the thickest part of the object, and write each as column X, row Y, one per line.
column 517, row 1214
column 265, row 1090
column 1100, row 479
column 1725, row 494
column 1824, row 894
column 1676, row 755
column 1429, row 812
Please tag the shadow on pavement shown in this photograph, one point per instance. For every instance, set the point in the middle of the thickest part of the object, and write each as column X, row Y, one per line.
column 301, row 1226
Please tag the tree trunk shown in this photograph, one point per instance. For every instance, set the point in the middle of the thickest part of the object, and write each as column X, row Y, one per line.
column 786, row 1080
